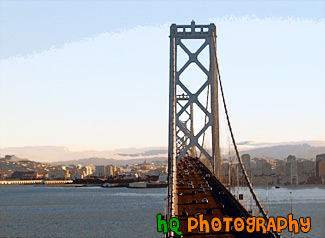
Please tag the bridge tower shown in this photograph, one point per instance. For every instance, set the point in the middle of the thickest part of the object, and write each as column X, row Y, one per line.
column 186, row 139
column 183, row 140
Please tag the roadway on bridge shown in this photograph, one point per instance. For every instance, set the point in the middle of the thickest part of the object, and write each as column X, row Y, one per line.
column 193, row 175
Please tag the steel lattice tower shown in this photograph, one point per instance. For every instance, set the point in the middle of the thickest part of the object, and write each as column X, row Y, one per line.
column 182, row 139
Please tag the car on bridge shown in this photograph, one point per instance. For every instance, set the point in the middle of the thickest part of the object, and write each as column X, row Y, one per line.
column 205, row 200
column 201, row 190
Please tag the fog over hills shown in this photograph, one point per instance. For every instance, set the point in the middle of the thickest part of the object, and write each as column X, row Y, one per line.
column 50, row 154
column 305, row 151
column 62, row 155
column 103, row 161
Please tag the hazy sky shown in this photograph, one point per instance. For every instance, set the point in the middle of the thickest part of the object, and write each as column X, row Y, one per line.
column 94, row 74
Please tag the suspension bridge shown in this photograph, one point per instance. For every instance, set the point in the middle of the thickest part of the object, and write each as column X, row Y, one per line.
column 194, row 163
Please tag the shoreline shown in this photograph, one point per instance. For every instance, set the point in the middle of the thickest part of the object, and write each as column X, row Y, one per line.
column 293, row 186
column 100, row 185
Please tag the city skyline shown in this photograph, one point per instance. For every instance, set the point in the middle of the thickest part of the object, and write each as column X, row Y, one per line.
column 109, row 89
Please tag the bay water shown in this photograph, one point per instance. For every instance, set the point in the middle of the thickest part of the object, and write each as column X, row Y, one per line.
column 40, row 211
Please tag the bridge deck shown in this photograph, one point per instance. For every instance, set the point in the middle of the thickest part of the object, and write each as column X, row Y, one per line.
column 220, row 201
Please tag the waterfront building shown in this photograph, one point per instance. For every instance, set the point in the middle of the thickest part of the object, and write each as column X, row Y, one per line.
column 100, row 171
column 321, row 171
column 319, row 159
column 292, row 169
column 30, row 175
column 247, row 163
column 58, row 173
column 280, row 167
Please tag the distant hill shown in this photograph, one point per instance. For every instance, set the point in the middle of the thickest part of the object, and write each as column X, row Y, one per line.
column 103, row 161
column 282, row 151
column 14, row 158
column 53, row 154
column 48, row 154
column 146, row 153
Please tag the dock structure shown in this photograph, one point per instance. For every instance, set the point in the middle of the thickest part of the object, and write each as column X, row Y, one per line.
column 194, row 165
column 21, row 182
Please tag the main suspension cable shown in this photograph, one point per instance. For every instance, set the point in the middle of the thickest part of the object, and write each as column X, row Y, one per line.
column 262, row 211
